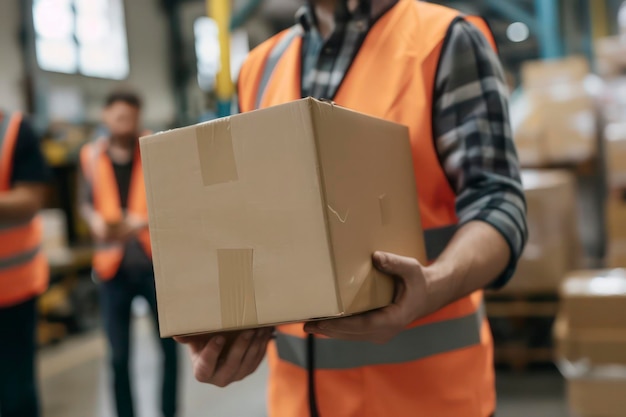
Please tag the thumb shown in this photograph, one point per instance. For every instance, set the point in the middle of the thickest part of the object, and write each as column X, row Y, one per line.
column 396, row 265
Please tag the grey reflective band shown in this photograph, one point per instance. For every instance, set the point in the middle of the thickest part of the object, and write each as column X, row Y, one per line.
column 8, row 226
column 107, row 245
column 19, row 259
column 275, row 55
column 410, row 345
column 437, row 239
column 4, row 126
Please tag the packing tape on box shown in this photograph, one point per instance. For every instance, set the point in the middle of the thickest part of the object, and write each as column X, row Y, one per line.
column 216, row 153
column 237, row 287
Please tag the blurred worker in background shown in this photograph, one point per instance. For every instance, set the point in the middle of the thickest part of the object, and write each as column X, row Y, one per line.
column 429, row 353
column 113, row 203
column 23, row 266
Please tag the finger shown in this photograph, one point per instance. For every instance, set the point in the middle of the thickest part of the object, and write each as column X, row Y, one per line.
column 251, row 359
column 400, row 266
column 205, row 360
column 195, row 340
column 227, row 370
column 353, row 326
column 263, row 351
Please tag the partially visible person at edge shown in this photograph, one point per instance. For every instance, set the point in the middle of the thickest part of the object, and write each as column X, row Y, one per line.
column 23, row 266
column 113, row 203
column 430, row 352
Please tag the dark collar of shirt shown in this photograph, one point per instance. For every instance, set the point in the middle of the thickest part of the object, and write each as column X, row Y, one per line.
column 325, row 62
column 372, row 8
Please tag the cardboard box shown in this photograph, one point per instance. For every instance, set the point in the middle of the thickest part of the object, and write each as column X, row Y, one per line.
column 616, row 231
column 540, row 269
column 554, row 245
column 616, row 254
column 542, row 74
column 595, row 299
column 528, row 132
column 272, row 216
column 599, row 395
column 570, row 124
column 554, row 120
column 613, row 100
column 594, row 346
column 616, row 217
column 610, row 56
column 615, row 151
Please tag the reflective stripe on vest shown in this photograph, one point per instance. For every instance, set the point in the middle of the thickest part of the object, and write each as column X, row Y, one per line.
column 18, row 259
column 410, row 345
column 8, row 226
column 4, row 126
column 273, row 58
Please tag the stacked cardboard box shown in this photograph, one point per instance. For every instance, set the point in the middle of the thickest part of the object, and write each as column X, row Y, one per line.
column 610, row 55
column 615, row 146
column 590, row 335
column 616, row 230
column 553, row 246
column 554, row 120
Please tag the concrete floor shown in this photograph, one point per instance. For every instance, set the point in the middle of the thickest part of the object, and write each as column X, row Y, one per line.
column 74, row 383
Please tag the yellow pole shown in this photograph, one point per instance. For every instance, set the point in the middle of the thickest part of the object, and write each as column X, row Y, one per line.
column 599, row 19
column 219, row 11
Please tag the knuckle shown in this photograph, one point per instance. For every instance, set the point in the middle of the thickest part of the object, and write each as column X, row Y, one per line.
column 200, row 374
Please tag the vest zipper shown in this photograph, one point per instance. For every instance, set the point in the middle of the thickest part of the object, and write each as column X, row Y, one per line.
column 310, row 350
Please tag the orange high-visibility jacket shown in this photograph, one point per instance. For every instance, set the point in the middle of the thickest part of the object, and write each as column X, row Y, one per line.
column 441, row 365
column 23, row 266
column 98, row 172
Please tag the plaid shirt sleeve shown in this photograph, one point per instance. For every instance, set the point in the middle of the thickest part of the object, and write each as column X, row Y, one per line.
column 474, row 140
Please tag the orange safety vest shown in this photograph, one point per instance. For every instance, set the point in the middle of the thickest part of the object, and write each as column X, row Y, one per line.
column 98, row 172
column 440, row 365
column 23, row 266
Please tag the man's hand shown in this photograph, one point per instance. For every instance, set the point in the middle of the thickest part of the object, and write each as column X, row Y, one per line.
column 98, row 227
column 382, row 325
column 223, row 358
column 475, row 256
column 126, row 229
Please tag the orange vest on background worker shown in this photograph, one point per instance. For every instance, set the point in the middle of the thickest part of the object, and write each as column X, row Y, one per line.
column 440, row 365
column 23, row 266
column 98, row 172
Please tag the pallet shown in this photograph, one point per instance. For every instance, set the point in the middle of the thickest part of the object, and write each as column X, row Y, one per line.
column 522, row 328
column 519, row 357
column 533, row 304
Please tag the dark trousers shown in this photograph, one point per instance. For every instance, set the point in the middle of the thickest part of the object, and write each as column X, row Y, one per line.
column 18, row 385
column 116, row 299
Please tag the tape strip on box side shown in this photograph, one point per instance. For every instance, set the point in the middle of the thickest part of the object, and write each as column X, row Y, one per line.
column 236, row 283
column 216, row 153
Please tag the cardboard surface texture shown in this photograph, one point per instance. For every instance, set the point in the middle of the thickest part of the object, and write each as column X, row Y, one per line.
column 615, row 151
column 554, row 121
column 595, row 300
column 553, row 245
column 598, row 396
column 616, row 230
column 595, row 346
column 272, row 216
column 610, row 55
